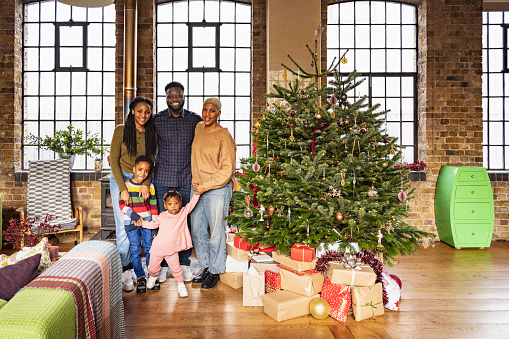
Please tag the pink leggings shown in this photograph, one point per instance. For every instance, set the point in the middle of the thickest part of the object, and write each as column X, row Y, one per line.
column 173, row 262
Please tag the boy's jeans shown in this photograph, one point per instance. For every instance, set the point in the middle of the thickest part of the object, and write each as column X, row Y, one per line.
column 211, row 210
column 135, row 238
column 122, row 240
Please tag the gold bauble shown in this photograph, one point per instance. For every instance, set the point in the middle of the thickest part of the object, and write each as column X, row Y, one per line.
column 385, row 164
column 339, row 216
column 271, row 210
column 318, row 116
column 319, row 308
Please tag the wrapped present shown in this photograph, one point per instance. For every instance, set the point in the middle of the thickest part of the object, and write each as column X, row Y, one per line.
column 243, row 245
column 236, row 253
column 358, row 276
column 232, row 279
column 230, row 237
column 253, row 288
column 301, row 252
column 265, row 266
column 272, row 282
column 284, row 305
column 233, row 265
column 367, row 302
column 306, row 283
column 339, row 299
column 393, row 291
column 300, row 266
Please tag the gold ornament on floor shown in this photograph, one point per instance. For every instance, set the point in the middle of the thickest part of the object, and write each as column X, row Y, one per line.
column 339, row 216
column 319, row 308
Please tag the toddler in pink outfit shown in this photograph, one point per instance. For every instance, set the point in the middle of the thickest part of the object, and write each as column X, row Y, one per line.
column 173, row 237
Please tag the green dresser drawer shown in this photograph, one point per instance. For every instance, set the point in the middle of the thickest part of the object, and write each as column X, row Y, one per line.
column 472, row 176
column 472, row 234
column 472, row 210
column 473, row 192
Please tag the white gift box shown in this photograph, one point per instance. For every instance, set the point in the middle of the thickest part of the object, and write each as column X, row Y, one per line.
column 233, row 265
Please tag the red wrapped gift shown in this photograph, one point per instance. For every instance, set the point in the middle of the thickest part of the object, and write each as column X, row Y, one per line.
column 243, row 245
column 272, row 282
column 339, row 299
column 302, row 252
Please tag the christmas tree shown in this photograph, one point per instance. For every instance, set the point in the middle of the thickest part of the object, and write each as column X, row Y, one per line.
column 324, row 171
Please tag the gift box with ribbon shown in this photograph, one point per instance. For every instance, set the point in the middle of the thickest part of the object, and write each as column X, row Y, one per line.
column 272, row 282
column 284, row 305
column 243, row 245
column 351, row 272
column 236, row 253
column 232, row 279
column 264, row 266
column 367, row 302
column 339, row 299
column 253, row 288
column 301, row 252
column 300, row 266
column 306, row 283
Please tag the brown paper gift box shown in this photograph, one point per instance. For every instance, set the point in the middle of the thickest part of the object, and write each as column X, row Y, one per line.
column 284, row 305
column 232, row 279
column 230, row 237
column 367, row 302
column 338, row 274
column 300, row 266
column 306, row 285
column 264, row 266
column 236, row 253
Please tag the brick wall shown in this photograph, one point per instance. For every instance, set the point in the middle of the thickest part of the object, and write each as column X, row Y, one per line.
column 449, row 98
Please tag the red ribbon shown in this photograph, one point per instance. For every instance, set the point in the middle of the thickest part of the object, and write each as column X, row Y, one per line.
column 314, row 135
column 255, row 190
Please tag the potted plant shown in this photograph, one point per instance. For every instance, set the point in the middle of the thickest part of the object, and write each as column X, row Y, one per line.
column 99, row 158
column 21, row 233
column 69, row 142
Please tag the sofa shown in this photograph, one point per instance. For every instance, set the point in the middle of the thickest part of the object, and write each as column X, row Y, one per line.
column 78, row 296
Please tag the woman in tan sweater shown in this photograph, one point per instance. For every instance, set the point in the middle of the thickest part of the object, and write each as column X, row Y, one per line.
column 213, row 167
column 136, row 137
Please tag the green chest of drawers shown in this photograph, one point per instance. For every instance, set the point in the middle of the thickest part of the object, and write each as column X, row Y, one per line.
column 464, row 210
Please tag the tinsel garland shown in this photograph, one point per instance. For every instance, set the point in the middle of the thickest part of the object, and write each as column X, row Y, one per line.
column 367, row 257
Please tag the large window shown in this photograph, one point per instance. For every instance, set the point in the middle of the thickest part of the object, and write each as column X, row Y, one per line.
column 68, row 73
column 206, row 45
column 381, row 37
column 495, row 91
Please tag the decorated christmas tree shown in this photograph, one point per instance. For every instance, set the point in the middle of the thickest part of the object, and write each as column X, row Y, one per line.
column 324, row 171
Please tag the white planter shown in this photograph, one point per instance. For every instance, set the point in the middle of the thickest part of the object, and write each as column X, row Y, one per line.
column 71, row 158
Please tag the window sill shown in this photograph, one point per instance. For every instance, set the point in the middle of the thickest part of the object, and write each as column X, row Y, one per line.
column 82, row 175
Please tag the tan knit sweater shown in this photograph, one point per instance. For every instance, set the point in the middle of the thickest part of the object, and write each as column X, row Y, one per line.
column 120, row 159
column 213, row 157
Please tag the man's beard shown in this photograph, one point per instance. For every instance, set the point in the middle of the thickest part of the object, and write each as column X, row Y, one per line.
column 176, row 110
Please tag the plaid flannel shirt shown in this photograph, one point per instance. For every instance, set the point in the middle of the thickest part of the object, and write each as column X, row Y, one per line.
column 174, row 140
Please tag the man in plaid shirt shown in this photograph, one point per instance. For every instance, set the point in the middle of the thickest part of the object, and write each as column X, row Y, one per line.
column 175, row 133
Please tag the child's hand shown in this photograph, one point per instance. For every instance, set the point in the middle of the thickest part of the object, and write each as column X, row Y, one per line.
column 198, row 188
column 139, row 223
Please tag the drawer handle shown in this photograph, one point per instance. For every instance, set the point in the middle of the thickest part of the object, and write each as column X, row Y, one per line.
column 473, row 176
column 473, row 211
column 473, row 192
column 473, row 233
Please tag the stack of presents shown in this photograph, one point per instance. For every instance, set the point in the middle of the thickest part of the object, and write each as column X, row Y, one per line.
column 285, row 284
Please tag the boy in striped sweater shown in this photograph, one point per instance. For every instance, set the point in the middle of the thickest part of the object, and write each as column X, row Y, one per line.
column 134, row 213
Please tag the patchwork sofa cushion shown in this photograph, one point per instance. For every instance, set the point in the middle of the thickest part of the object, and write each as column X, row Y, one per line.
column 16, row 276
column 42, row 249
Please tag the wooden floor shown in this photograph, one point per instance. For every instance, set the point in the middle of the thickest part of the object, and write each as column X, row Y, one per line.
column 447, row 293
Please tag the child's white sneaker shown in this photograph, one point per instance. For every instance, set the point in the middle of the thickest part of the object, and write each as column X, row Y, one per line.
column 182, row 290
column 163, row 273
column 151, row 282
column 127, row 281
column 188, row 274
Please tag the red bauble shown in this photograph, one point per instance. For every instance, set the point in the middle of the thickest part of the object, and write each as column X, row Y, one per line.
column 267, row 226
column 231, row 209
column 398, row 280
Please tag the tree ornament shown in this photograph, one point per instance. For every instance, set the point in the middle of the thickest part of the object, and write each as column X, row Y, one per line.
column 379, row 236
column 284, row 74
column 307, row 228
column 343, row 97
column 324, row 178
column 339, row 216
column 238, row 187
column 267, row 227
column 284, row 105
column 372, row 191
column 385, row 164
column 256, row 165
column 262, row 210
column 273, row 109
column 392, row 151
column 344, row 60
column 319, row 308
column 402, row 195
column 333, row 100
column 248, row 213
column 230, row 209
column 318, row 115
column 271, row 210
